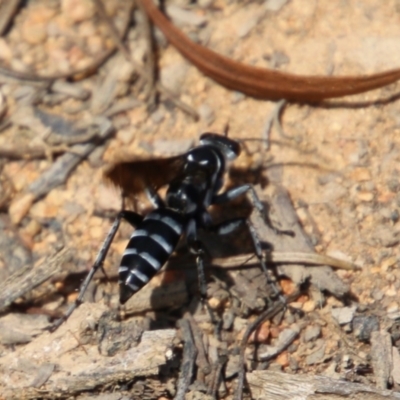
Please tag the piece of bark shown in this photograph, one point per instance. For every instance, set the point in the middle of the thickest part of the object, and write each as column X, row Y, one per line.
column 14, row 254
column 30, row 277
column 71, row 90
column 243, row 261
column 105, row 93
column 381, row 358
column 79, row 365
column 283, row 213
column 17, row 328
column 285, row 339
column 60, row 170
column 161, row 297
column 189, row 358
column 272, row 385
column 43, row 374
column 8, row 9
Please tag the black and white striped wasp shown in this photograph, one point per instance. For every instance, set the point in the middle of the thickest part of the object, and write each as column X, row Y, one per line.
column 194, row 181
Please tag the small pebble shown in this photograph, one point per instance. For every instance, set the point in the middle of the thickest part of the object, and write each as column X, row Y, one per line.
column 205, row 3
column 287, row 286
column 293, row 364
column 309, row 306
column 20, row 206
column 227, row 319
column 95, row 45
column 311, row 332
column 365, row 196
column 387, row 263
column 360, row 174
column 275, row 5
column 317, row 356
column 331, row 371
column 232, row 366
column 386, row 236
column 363, row 326
column 343, row 315
column 173, row 75
column 158, row 116
column 274, row 366
column 395, row 365
column 78, row 10
column 5, row 51
column 261, row 334
column 34, row 28
column 391, row 291
column 286, row 337
column 377, row 294
column 237, row 97
column 251, row 15
column 214, row 303
column 181, row 16
column 283, row 359
column 394, row 185
column 33, row 228
column 206, row 113
column 332, row 192
column 277, row 59
column 392, row 308
column 171, row 146
column 87, row 29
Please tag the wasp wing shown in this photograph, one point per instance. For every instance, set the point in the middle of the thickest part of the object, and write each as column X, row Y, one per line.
column 134, row 175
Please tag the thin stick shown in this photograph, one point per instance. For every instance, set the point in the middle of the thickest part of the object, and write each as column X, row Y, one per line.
column 96, row 266
column 275, row 257
column 267, row 314
column 28, row 278
column 310, row 259
column 189, row 358
column 273, row 119
column 7, row 11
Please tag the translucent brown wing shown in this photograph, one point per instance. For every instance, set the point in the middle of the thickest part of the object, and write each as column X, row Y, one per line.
column 133, row 176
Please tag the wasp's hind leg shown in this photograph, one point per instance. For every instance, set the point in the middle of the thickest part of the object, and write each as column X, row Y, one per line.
column 230, row 226
column 134, row 219
column 197, row 248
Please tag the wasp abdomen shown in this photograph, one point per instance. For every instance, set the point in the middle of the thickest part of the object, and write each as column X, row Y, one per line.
column 149, row 248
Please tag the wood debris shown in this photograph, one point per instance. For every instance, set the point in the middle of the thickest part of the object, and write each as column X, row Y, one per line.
column 80, row 82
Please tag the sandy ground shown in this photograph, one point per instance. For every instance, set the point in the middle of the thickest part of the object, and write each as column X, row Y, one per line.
column 338, row 160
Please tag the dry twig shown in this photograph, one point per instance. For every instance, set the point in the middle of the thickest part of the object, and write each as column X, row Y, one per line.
column 28, row 278
column 7, row 11
column 273, row 385
column 188, row 361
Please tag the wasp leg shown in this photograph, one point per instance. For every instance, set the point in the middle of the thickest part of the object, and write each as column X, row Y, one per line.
column 197, row 248
column 154, row 197
column 131, row 217
column 229, row 226
column 134, row 219
column 233, row 193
